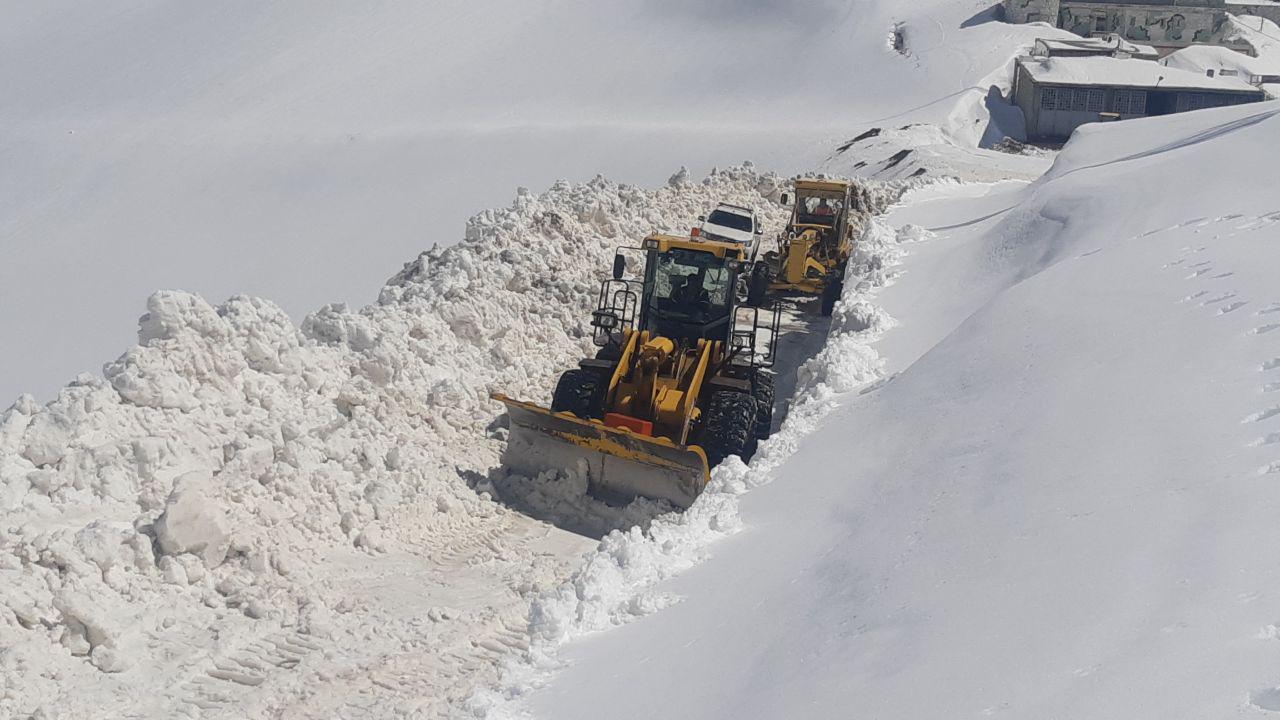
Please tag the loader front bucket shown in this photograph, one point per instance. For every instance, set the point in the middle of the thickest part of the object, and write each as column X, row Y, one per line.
column 617, row 459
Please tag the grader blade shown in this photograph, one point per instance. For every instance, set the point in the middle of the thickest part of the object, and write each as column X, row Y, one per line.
column 618, row 460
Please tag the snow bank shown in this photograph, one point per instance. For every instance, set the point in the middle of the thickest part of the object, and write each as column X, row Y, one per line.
column 193, row 489
column 619, row 582
column 1062, row 505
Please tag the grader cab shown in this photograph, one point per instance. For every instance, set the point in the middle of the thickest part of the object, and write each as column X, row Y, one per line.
column 814, row 248
column 680, row 383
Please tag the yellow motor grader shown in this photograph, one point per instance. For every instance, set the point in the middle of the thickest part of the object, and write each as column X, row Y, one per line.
column 814, row 248
column 681, row 380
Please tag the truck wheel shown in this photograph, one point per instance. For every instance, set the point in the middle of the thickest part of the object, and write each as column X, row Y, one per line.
column 762, row 391
column 729, row 426
column 581, row 392
column 758, row 285
column 830, row 294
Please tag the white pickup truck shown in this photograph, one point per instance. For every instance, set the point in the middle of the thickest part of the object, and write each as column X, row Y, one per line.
column 733, row 223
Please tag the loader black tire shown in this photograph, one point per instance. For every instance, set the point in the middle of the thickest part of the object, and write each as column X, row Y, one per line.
column 762, row 391
column 729, row 426
column 581, row 391
column 758, row 284
column 831, row 292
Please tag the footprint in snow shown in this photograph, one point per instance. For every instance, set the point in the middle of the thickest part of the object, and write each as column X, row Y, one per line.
column 1271, row 364
column 1218, row 299
column 1268, row 699
column 1219, row 276
column 1264, row 329
column 1272, row 308
column 1198, row 273
column 1194, row 296
column 1230, row 308
column 1264, row 415
column 1270, row 387
column 1271, row 469
column 1095, row 251
column 1270, row 439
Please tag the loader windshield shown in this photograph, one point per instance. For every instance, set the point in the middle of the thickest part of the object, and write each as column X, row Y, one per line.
column 689, row 288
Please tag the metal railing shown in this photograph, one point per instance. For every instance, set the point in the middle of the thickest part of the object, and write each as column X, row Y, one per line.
column 616, row 310
column 746, row 338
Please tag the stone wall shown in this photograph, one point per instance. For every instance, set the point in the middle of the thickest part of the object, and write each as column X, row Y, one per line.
column 1025, row 11
column 1160, row 25
column 1166, row 24
column 1270, row 11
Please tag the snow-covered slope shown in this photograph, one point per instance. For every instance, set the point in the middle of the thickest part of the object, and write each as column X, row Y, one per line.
column 247, row 518
column 297, row 150
column 1062, row 502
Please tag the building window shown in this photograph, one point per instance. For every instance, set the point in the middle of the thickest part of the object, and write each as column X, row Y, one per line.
column 1048, row 99
column 1079, row 100
column 1131, row 102
column 1096, row 101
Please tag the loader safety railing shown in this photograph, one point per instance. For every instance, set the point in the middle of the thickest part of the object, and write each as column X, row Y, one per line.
column 745, row 343
column 616, row 310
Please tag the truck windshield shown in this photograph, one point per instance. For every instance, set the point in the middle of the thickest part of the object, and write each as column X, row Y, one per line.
column 691, row 287
column 730, row 220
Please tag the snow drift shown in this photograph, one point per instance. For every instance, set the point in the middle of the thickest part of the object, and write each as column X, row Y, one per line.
column 1062, row 506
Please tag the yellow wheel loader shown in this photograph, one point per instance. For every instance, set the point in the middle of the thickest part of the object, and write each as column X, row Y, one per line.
column 814, row 248
column 680, row 383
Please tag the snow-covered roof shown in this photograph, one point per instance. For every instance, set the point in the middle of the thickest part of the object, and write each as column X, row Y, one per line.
column 1111, row 43
column 1199, row 58
column 1106, row 71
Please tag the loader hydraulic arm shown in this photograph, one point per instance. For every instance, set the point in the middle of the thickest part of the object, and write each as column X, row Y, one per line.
column 653, row 355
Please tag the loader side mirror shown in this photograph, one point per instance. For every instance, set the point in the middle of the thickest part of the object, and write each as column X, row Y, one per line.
column 783, row 200
column 619, row 266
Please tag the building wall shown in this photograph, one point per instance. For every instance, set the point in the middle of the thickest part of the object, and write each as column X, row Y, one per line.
column 1163, row 23
column 1032, row 10
column 1270, row 11
column 1025, row 11
column 1024, row 96
column 1164, row 26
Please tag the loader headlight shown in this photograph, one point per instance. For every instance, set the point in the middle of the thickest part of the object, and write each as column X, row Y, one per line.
column 604, row 320
column 649, row 244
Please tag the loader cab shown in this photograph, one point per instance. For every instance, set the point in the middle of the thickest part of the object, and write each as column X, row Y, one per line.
column 689, row 288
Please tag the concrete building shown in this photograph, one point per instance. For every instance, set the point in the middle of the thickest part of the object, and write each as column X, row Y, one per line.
column 1165, row 24
column 1059, row 94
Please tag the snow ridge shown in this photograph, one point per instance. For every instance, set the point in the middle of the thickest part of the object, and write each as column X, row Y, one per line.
column 617, row 583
